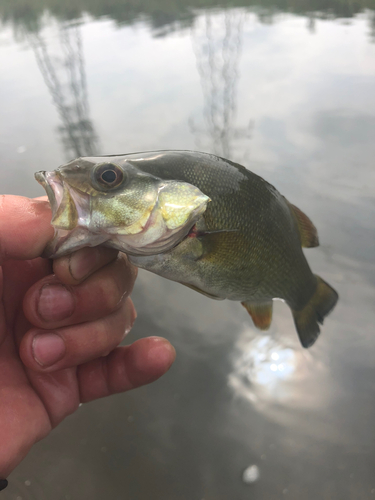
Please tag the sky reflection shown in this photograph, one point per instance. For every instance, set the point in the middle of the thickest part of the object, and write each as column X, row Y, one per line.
column 291, row 97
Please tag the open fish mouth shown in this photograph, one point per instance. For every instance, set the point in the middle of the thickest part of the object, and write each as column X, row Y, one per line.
column 70, row 207
column 53, row 186
column 69, row 217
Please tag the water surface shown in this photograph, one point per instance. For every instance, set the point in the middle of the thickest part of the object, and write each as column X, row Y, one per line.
column 288, row 91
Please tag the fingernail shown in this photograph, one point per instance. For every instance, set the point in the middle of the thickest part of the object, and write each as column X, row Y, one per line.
column 48, row 348
column 55, row 303
column 82, row 262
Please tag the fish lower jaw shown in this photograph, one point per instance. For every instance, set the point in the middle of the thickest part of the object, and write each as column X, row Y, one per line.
column 142, row 244
column 65, row 241
column 152, row 238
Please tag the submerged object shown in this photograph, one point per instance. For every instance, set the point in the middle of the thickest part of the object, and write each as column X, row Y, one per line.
column 197, row 219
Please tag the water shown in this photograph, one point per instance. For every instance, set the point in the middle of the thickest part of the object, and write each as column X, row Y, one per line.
column 290, row 95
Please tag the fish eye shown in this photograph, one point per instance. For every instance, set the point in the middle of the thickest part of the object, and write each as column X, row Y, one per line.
column 109, row 175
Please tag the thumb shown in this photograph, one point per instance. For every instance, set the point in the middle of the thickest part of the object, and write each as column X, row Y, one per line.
column 25, row 227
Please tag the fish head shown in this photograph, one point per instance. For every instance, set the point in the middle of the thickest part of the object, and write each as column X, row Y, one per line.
column 111, row 201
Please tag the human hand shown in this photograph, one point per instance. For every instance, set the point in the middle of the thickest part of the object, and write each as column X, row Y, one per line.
column 60, row 323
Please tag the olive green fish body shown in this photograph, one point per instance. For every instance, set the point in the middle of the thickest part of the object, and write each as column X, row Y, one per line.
column 200, row 220
column 247, row 245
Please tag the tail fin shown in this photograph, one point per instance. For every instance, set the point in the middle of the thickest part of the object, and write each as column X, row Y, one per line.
column 314, row 312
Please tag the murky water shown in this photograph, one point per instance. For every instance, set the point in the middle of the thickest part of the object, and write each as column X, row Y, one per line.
column 290, row 95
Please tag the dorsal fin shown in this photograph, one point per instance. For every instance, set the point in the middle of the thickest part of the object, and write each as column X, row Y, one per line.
column 307, row 231
column 260, row 312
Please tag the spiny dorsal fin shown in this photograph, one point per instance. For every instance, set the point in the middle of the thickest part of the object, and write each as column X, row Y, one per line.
column 307, row 231
column 260, row 312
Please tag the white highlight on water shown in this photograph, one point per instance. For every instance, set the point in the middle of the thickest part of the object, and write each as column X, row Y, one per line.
column 251, row 474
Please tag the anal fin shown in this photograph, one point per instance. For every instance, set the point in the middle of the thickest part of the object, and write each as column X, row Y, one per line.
column 260, row 312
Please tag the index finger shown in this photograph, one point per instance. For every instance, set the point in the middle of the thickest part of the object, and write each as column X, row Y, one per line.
column 25, row 227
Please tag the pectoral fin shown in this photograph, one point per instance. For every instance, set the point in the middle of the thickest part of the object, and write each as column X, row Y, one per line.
column 260, row 312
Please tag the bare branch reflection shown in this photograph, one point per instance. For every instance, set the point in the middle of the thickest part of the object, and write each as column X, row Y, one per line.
column 64, row 75
column 217, row 41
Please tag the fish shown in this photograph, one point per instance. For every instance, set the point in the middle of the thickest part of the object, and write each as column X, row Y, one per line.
column 197, row 219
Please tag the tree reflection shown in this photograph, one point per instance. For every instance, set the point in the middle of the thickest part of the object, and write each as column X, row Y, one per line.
column 64, row 75
column 167, row 13
column 217, row 46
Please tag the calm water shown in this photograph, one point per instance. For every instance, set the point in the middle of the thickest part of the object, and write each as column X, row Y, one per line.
column 291, row 95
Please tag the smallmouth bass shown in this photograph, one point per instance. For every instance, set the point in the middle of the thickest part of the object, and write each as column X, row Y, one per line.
column 197, row 219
